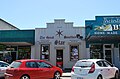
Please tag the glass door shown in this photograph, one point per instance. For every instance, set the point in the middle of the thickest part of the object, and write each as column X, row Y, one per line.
column 108, row 55
column 108, row 52
column 59, row 58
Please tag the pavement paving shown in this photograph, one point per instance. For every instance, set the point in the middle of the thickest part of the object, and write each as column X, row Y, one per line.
column 66, row 74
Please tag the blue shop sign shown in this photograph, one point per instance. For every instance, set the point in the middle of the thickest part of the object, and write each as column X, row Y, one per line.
column 103, row 25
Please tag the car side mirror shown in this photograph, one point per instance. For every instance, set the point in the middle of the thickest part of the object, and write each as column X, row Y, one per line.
column 112, row 65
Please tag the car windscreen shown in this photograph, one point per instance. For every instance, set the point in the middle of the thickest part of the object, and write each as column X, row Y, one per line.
column 15, row 64
column 83, row 64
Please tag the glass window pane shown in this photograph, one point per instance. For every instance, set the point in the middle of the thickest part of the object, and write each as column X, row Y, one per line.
column 45, row 48
column 43, row 65
column 24, row 52
column 96, row 51
column 15, row 64
column 119, row 52
column 31, row 64
column 74, row 52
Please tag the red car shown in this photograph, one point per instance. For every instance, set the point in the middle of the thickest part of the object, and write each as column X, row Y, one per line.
column 32, row 69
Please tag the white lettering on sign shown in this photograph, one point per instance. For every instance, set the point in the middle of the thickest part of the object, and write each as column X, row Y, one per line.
column 110, row 20
column 103, row 33
column 99, row 32
column 112, row 33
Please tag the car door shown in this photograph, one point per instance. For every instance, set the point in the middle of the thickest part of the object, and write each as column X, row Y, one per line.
column 102, row 69
column 111, row 69
column 44, row 70
column 108, row 69
column 32, row 69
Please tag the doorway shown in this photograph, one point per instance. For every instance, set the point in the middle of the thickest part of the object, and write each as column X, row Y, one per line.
column 108, row 52
column 13, row 54
column 59, row 58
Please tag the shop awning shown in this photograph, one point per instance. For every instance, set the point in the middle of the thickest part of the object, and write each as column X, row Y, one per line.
column 103, row 37
column 17, row 37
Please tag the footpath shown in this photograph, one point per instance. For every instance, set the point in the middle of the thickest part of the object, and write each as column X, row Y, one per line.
column 66, row 74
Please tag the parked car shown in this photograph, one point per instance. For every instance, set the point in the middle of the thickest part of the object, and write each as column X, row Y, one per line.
column 3, row 67
column 32, row 69
column 94, row 69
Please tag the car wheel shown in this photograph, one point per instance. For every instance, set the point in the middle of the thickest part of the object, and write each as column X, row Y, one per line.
column 57, row 75
column 116, row 75
column 25, row 77
column 99, row 77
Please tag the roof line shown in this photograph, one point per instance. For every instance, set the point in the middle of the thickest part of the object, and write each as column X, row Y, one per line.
column 9, row 24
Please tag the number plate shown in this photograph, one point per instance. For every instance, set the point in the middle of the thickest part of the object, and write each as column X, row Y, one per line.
column 79, row 78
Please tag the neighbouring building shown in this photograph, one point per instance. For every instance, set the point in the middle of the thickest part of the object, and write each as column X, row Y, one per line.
column 103, row 38
column 15, row 43
column 60, row 43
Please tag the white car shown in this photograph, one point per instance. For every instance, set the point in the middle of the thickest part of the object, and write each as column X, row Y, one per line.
column 94, row 69
column 3, row 67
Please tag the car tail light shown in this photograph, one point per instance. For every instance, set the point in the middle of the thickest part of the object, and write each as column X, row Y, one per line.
column 72, row 69
column 92, row 69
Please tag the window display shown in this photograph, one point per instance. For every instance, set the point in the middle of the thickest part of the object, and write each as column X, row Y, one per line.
column 74, row 52
column 45, row 51
column 96, row 51
column 24, row 52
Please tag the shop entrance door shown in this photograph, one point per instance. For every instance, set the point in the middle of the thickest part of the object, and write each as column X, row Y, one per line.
column 59, row 58
column 13, row 54
column 108, row 52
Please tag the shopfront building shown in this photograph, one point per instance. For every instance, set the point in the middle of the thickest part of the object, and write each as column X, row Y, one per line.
column 60, row 43
column 16, row 44
column 103, row 38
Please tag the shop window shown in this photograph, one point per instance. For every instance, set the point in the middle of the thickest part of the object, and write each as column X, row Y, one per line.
column 96, row 51
column 2, row 47
column 119, row 51
column 24, row 52
column 1, row 57
column 107, row 46
column 74, row 52
column 45, row 51
column 11, row 48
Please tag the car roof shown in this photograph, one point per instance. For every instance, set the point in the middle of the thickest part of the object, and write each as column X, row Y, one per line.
column 93, row 60
column 4, row 62
column 24, row 60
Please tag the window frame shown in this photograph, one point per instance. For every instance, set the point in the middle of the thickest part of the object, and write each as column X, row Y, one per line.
column 42, row 51
column 70, row 50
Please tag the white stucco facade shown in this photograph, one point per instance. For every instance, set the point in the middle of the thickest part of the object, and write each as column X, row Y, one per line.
column 60, row 36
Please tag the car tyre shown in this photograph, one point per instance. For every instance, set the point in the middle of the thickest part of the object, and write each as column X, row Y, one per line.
column 25, row 77
column 57, row 75
column 116, row 75
column 99, row 77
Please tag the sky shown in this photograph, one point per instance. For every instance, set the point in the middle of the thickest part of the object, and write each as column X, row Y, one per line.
column 31, row 14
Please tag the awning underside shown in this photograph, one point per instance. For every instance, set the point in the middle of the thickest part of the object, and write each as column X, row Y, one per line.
column 104, row 39
column 16, row 43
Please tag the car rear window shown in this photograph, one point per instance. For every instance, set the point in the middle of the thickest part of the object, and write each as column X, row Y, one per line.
column 15, row 64
column 2, row 64
column 83, row 64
